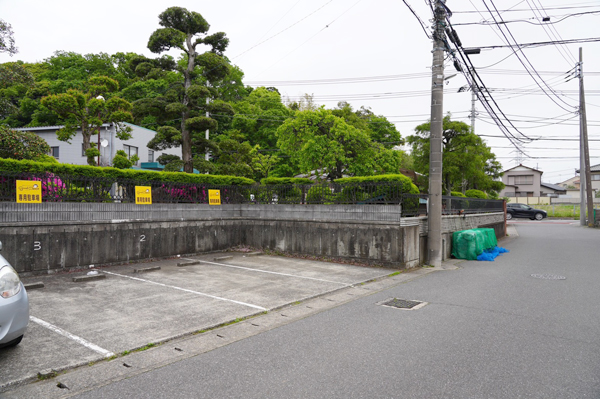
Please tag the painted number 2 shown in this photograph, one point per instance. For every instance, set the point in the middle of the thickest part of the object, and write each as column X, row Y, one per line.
column 142, row 238
column 37, row 245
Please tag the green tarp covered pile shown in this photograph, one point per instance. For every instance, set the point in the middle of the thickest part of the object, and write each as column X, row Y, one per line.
column 468, row 244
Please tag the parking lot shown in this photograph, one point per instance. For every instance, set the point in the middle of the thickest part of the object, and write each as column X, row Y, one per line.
column 76, row 323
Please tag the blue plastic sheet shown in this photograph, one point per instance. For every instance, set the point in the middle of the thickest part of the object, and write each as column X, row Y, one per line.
column 492, row 253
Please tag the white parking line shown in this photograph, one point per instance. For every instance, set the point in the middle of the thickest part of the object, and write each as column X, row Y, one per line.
column 185, row 290
column 270, row 272
column 75, row 338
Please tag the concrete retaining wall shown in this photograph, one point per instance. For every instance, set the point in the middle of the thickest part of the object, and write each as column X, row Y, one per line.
column 42, row 238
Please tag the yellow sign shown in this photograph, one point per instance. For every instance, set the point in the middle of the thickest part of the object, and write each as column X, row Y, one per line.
column 29, row 191
column 214, row 197
column 143, row 195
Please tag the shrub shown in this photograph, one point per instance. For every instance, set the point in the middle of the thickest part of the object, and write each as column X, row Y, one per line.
column 274, row 181
column 457, row 194
column 320, row 194
column 354, row 190
column 114, row 174
column 475, row 194
column 21, row 145
column 407, row 186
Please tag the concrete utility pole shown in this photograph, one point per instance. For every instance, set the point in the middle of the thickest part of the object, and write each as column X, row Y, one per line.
column 473, row 111
column 434, row 217
column 586, row 150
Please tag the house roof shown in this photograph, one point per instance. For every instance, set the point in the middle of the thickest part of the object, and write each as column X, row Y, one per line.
column 554, row 187
column 522, row 166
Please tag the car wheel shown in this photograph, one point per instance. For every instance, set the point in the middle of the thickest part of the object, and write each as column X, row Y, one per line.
column 539, row 216
column 12, row 343
column 509, row 216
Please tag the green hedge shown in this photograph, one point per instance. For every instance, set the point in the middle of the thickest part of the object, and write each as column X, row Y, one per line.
column 11, row 165
column 408, row 187
column 475, row 194
column 280, row 181
column 457, row 194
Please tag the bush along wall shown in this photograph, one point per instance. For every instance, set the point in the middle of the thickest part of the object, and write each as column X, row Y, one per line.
column 74, row 171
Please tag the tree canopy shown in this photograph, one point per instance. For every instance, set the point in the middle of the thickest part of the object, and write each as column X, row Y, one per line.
column 468, row 163
column 322, row 142
column 185, row 30
column 89, row 110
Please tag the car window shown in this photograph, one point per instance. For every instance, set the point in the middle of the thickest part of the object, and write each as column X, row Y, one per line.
column 526, row 207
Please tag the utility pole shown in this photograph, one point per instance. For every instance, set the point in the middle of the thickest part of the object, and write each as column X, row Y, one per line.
column 207, row 133
column 434, row 217
column 473, row 112
column 585, row 147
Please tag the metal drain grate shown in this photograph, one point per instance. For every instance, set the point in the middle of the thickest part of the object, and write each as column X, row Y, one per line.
column 549, row 276
column 403, row 304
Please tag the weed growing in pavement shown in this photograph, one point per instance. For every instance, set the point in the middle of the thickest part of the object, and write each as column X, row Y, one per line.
column 394, row 274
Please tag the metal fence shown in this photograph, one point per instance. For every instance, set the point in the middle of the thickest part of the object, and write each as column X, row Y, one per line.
column 65, row 188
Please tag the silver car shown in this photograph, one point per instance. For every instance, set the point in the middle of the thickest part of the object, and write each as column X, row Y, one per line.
column 14, row 305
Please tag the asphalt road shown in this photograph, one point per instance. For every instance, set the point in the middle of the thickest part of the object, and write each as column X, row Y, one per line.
column 489, row 330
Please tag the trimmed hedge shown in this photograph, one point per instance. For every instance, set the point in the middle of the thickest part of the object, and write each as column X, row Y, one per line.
column 408, row 187
column 280, row 181
column 457, row 194
column 11, row 165
column 476, row 194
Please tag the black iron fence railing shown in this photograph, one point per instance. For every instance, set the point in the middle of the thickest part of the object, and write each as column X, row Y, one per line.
column 65, row 188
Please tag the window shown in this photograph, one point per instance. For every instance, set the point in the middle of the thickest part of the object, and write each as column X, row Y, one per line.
column 130, row 150
column 54, row 152
column 524, row 179
column 151, row 156
column 595, row 177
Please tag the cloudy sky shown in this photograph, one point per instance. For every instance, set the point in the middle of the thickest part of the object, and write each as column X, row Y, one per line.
column 372, row 53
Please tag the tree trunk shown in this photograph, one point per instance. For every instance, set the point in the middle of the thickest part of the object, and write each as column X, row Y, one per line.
column 186, row 139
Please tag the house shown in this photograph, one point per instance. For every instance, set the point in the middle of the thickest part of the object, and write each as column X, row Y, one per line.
column 522, row 181
column 107, row 142
column 551, row 190
column 595, row 175
column 570, row 183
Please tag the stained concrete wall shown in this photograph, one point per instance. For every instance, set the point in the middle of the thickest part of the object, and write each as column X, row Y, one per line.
column 42, row 238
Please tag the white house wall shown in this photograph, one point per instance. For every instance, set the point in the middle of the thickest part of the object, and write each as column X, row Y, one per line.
column 72, row 153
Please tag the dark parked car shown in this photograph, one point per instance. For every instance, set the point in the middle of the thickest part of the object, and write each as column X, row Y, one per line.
column 524, row 211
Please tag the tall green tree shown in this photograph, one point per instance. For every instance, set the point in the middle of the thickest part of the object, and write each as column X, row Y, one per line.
column 88, row 110
column 320, row 141
column 7, row 39
column 186, row 30
column 467, row 163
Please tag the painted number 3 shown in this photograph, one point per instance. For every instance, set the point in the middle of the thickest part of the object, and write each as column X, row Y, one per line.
column 142, row 238
column 37, row 245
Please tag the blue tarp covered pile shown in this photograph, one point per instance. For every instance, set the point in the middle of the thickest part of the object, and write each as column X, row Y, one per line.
column 492, row 253
column 476, row 244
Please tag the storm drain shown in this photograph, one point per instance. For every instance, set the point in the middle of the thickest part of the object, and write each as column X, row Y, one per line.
column 549, row 276
column 403, row 304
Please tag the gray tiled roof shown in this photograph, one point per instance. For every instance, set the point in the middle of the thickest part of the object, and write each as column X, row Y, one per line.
column 551, row 186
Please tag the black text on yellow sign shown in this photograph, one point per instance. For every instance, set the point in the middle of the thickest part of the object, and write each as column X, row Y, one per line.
column 143, row 195
column 214, row 197
column 29, row 191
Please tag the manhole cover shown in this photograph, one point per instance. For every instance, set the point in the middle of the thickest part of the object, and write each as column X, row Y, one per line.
column 549, row 276
column 403, row 304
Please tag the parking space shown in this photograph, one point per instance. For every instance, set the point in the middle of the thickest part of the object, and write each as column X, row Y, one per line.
column 74, row 323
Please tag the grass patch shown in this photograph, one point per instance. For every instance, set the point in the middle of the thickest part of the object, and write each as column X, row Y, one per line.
column 394, row 274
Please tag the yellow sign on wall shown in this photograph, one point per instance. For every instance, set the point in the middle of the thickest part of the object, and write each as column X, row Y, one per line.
column 29, row 191
column 143, row 195
column 214, row 197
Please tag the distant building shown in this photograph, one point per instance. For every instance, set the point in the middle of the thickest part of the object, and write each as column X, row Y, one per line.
column 522, row 181
column 109, row 145
column 571, row 182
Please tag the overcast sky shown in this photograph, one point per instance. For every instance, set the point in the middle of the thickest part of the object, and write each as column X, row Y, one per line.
column 371, row 53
